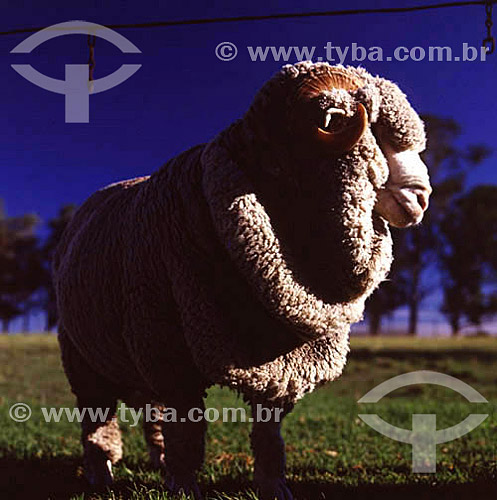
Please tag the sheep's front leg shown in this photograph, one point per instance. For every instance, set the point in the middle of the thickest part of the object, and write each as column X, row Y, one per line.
column 269, row 453
column 184, row 448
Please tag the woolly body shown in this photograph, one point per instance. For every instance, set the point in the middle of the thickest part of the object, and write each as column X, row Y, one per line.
column 242, row 262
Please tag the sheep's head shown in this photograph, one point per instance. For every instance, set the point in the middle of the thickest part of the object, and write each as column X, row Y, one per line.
column 303, row 187
column 327, row 112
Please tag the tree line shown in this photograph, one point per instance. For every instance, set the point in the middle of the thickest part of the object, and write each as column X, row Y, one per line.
column 454, row 250
column 25, row 267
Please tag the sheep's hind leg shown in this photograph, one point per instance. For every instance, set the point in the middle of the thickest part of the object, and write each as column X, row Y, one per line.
column 100, row 436
column 101, row 439
column 184, row 446
column 269, row 453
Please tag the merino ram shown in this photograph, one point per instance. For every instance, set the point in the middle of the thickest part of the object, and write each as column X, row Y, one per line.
column 241, row 262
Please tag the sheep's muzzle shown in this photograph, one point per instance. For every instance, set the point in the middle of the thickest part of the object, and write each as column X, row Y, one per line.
column 404, row 198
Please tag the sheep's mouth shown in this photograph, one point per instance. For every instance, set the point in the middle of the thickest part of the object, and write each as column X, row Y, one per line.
column 402, row 206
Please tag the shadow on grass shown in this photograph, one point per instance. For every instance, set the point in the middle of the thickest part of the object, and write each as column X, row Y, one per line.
column 57, row 478
column 40, row 478
column 480, row 490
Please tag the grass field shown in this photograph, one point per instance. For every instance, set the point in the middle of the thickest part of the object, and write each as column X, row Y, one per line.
column 331, row 452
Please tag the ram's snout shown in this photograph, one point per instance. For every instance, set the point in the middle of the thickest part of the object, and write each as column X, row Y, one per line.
column 405, row 197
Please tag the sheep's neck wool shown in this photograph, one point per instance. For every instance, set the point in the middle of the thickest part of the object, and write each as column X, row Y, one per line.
column 320, row 330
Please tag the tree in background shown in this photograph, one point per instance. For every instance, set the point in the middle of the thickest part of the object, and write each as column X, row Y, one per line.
column 21, row 269
column 469, row 258
column 57, row 226
column 420, row 247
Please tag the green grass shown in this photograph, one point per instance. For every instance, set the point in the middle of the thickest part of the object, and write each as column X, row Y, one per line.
column 331, row 452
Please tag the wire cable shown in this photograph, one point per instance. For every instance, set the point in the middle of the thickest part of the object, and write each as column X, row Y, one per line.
column 294, row 15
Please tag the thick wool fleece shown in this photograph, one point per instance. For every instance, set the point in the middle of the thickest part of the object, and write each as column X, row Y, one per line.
column 231, row 264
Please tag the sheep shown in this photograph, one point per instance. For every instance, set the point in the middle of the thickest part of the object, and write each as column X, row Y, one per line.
column 242, row 262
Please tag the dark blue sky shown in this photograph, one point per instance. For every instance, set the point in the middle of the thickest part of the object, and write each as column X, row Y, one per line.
column 184, row 95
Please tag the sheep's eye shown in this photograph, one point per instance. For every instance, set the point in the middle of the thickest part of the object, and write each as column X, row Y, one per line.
column 333, row 119
column 340, row 133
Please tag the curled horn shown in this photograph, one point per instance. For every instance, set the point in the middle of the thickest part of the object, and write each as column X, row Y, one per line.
column 344, row 140
column 335, row 79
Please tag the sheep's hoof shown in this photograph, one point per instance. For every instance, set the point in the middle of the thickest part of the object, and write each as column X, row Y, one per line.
column 183, row 485
column 273, row 488
column 99, row 473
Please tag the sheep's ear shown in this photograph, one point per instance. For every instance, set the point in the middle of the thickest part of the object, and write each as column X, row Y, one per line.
column 397, row 119
column 369, row 95
column 344, row 139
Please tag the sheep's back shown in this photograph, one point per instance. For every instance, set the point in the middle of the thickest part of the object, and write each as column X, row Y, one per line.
column 88, row 273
